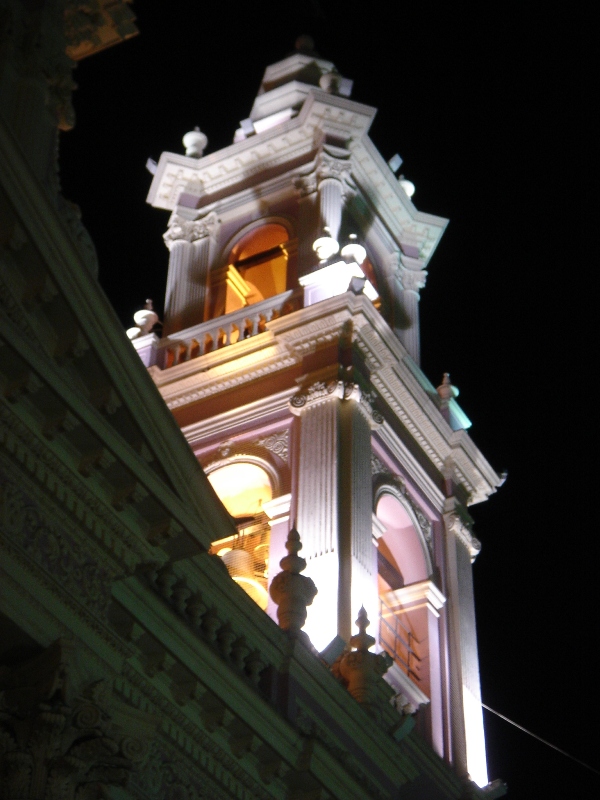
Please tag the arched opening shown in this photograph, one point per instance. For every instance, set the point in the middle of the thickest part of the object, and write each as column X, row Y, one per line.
column 403, row 563
column 257, row 266
column 244, row 487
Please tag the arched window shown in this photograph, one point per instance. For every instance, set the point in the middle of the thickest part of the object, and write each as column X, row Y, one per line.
column 404, row 567
column 260, row 260
column 244, row 487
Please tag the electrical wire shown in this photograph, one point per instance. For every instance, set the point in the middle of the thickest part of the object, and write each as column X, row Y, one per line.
column 539, row 738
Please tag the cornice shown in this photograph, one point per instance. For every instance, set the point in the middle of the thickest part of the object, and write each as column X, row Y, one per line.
column 398, row 381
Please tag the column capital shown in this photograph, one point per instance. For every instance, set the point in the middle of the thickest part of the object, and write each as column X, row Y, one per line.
column 319, row 391
column 461, row 529
column 182, row 229
column 338, row 168
column 412, row 280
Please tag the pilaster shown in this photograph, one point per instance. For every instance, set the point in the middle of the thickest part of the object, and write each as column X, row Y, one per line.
column 189, row 243
column 333, row 504
column 468, row 740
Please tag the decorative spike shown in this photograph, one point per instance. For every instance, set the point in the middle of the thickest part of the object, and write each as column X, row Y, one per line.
column 291, row 591
column 362, row 641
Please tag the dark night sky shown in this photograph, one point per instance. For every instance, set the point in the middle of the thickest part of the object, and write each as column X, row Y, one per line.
column 490, row 109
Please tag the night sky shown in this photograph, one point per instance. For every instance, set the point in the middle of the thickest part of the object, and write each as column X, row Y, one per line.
column 490, row 108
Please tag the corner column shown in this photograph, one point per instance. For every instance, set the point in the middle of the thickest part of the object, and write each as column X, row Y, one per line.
column 189, row 243
column 332, row 506
column 468, row 739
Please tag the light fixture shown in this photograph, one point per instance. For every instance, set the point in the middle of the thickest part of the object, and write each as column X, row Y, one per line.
column 354, row 250
column 408, row 186
column 325, row 246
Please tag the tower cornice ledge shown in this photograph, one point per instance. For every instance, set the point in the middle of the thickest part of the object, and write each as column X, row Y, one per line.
column 405, row 391
column 284, row 148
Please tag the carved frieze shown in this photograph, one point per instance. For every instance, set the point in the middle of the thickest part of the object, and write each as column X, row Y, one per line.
column 59, row 554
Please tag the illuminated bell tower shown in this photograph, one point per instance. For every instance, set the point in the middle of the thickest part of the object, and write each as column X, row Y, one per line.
column 290, row 360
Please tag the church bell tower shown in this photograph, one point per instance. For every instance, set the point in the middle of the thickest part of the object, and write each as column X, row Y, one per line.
column 289, row 357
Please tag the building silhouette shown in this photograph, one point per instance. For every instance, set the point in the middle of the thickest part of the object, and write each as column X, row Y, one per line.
column 140, row 655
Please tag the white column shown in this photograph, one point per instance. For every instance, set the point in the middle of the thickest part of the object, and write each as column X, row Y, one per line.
column 330, row 205
column 412, row 282
column 332, row 508
column 358, row 573
column 316, row 507
column 468, row 739
column 189, row 264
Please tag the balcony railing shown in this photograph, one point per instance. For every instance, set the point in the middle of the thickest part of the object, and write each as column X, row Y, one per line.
column 397, row 640
column 228, row 329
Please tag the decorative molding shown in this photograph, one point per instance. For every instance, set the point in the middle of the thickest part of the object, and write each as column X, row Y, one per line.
column 194, row 743
column 277, row 443
column 69, row 492
column 387, row 480
column 181, row 229
column 456, row 525
column 413, row 280
column 315, row 393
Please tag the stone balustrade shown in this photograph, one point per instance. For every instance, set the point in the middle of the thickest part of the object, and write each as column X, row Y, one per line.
column 228, row 329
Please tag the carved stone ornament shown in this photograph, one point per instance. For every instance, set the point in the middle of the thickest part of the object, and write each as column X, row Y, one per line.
column 315, row 393
column 361, row 671
column 181, row 229
column 413, row 280
column 340, row 169
column 291, row 591
column 343, row 390
column 456, row 525
column 384, row 476
column 53, row 746
column 277, row 443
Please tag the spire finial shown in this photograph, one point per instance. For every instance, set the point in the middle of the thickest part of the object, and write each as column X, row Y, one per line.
column 291, row 591
column 360, row 670
column 195, row 143
column 362, row 641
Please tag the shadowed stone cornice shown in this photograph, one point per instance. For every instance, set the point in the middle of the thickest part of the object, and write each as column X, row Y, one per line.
column 246, row 163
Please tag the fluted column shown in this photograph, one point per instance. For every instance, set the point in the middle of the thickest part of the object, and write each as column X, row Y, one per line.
column 468, row 740
column 330, row 205
column 186, row 295
column 412, row 282
column 359, row 554
column 333, row 504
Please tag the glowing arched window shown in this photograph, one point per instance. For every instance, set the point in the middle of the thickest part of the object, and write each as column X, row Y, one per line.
column 261, row 258
column 244, row 488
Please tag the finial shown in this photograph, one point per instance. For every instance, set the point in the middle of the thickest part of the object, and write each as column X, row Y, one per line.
column 408, row 186
column 291, row 591
column 194, row 142
column 360, row 670
column 362, row 641
column 145, row 319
